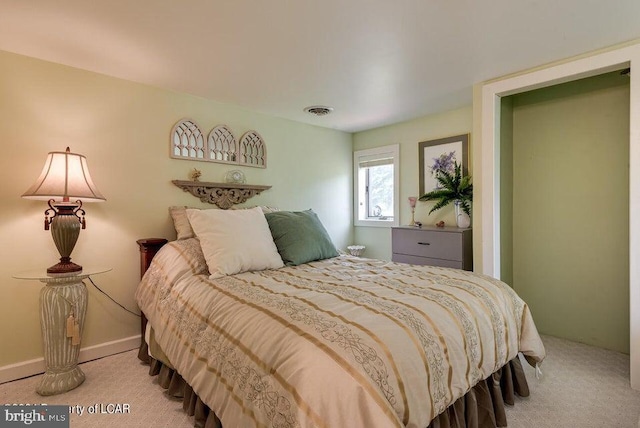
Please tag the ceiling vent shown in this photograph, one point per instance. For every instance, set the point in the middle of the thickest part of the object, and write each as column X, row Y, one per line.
column 319, row 110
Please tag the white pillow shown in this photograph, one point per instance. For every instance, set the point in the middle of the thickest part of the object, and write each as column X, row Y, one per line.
column 183, row 227
column 234, row 241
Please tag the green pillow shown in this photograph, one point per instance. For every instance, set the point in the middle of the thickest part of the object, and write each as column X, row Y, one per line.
column 300, row 237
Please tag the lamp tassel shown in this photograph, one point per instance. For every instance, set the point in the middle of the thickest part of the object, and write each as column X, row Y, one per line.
column 75, row 340
column 70, row 324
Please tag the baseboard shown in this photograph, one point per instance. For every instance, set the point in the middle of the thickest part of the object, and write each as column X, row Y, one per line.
column 34, row 367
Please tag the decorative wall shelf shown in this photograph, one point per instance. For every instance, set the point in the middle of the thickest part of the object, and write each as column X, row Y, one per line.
column 224, row 195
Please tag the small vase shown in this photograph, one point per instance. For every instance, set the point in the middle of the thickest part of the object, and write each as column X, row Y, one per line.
column 462, row 218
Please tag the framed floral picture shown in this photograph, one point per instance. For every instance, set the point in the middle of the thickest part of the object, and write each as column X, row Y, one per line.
column 440, row 155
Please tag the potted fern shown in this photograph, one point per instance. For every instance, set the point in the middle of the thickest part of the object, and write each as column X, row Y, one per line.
column 452, row 187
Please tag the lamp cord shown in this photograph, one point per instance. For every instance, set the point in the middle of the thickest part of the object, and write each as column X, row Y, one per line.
column 112, row 299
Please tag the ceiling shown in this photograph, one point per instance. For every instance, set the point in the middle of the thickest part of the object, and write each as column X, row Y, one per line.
column 376, row 62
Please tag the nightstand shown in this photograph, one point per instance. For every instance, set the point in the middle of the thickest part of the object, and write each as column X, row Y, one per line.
column 434, row 246
column 63, row 306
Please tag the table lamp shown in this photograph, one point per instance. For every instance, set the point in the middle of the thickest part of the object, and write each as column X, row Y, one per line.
column 65, row 175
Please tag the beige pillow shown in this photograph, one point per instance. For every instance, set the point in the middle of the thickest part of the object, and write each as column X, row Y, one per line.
column 265, row 208
column 234, row 241
column 181, row 222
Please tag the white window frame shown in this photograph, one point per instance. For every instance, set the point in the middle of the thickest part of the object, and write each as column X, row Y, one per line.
column 359, row 201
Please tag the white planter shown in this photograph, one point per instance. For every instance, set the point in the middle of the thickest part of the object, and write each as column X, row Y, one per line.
column 462, row 219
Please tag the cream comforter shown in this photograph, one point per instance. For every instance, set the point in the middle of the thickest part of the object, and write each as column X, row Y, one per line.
column 343, row 342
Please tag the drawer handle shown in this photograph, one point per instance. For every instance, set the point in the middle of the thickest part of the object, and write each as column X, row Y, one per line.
column 423, row 243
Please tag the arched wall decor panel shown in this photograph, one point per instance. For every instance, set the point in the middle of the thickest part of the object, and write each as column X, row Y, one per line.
column 188, row 142
column 253, row 151
column 223, row 146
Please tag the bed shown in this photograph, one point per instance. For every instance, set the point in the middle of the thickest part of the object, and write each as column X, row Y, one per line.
column 334, row 342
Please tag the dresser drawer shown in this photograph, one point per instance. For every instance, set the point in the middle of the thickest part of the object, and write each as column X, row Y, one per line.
column 427, row 243
column 415, row 260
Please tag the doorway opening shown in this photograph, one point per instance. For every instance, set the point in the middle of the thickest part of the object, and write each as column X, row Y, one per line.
column 564, row 193
column 487, row 144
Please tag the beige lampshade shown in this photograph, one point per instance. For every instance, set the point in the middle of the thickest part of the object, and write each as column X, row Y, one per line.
column 65, row 175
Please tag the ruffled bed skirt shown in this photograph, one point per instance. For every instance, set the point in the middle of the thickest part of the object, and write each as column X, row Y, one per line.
column 481, row 407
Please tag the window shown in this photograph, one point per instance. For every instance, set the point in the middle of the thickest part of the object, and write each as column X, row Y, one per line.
column 376, row 182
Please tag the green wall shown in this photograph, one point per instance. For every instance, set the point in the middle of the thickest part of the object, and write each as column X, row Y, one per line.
column 408, row 134
column 570, row 221
column 123, row 128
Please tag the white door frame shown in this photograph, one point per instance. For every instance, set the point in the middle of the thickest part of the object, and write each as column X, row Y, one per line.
column 489, row 148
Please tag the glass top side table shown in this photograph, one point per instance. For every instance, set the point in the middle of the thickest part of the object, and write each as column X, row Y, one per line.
column 63, row 306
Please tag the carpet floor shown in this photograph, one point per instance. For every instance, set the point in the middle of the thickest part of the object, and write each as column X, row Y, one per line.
column 581, row 387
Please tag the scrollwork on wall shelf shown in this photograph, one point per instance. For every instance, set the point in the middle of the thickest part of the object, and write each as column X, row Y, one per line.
column 224, row 195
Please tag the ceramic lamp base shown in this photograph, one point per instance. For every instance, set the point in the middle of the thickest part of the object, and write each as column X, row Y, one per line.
column 64, row 267
column 65, row 228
